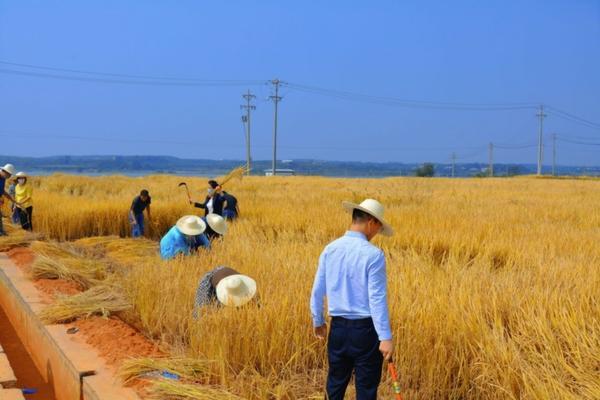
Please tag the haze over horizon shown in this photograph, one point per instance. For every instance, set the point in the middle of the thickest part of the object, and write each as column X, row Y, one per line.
column 514, row 55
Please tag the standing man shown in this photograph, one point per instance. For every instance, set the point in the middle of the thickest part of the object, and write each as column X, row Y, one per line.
column 351, row 274
column 5, row 173
column 136, row 213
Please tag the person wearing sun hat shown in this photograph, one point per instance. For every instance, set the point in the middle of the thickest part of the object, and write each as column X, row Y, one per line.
column 351, row 274
column 216, row 226
column 24, row 198
column 184, row 238
column 5, row 173
column 224, row 286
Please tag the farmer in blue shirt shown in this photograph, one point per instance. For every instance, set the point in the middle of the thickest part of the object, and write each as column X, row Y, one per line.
column 136, row 213
column 184, row 238
column 351, row 274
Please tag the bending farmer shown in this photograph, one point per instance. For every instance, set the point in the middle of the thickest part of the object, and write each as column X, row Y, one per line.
column 216, row 226
column 224, row 286
column 351, row 274
column 184, row 238
column 136, row 213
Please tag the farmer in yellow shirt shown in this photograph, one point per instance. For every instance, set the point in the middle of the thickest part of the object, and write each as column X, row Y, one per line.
column 23, row 197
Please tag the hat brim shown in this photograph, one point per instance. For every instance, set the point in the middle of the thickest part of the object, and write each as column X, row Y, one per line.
column 386, row 228
column 186, row 230
column 228, row 299
column 221, row 230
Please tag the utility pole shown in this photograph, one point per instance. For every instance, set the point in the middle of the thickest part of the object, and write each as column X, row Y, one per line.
column 453, row 163
column 541, row 115
column 554, row 154
column 246, row 119
column 491, row 166
column 276, row 99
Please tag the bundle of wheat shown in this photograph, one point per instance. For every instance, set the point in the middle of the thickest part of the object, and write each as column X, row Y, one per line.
column 190, row 369
column 86, row 273
column 54, row 249
column 16, row 238
column 101, row 300
column 236, row 173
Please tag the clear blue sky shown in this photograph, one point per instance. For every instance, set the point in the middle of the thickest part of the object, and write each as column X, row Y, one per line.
column 442, row 51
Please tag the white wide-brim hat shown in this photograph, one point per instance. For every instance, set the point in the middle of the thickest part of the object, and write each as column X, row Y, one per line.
column 191, row 225
column 21, row 174
column 236, row 290
column 9, row 168
column 217, row 223
column 373, row 208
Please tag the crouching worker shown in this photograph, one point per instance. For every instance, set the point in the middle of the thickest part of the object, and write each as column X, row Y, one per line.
column 224, row 286
column 216, row 226
column 184, row 238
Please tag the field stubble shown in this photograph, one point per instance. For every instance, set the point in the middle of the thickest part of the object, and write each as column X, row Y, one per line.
column 493, row 283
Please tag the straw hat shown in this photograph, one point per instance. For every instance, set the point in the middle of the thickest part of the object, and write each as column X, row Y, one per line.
column 9, row 168
column 373, row 208
column 236, row 290
column 217, row 223
column 191, row 225
column 21, row 174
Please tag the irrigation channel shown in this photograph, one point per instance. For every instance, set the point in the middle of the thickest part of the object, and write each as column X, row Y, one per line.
column 28, row 377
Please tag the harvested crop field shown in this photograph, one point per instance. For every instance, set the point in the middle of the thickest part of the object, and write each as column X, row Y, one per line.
column 493, row 283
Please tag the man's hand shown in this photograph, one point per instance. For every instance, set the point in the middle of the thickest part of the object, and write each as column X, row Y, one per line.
column 321, row 332
column 386, row 347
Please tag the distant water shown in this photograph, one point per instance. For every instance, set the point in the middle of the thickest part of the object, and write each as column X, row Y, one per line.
column 131, row 173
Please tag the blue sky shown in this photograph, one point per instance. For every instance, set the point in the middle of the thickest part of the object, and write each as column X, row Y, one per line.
column 442, row 51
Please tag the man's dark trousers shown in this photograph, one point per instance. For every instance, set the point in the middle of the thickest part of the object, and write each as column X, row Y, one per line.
column 353, row 345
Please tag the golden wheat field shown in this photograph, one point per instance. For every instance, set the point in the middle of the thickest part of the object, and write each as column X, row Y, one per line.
column 494, row 284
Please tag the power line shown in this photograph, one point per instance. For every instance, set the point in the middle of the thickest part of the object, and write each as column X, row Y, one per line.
column 121, row 75
column 392, row 101
column 573, row 118
column 566, row 140
column 131, row 82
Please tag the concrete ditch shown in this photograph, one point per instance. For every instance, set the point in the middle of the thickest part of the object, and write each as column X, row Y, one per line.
column 74, row 369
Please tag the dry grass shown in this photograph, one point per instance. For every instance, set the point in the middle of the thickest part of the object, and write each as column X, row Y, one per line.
column 190, row 369
column 100, row 300
column 493, row 283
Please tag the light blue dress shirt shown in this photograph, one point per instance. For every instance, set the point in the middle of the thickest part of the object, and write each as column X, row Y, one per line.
column 175, row 242
column 351, row 274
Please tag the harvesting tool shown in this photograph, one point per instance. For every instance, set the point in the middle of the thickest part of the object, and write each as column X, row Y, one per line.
column 395, row 383
column 186, row 190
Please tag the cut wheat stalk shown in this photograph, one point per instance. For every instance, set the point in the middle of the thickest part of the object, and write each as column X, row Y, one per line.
column 186, row 368
column 100, row 300
column 85, row 273
column 236, row 173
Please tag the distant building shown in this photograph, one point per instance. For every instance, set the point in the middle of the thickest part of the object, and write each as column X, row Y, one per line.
column 280, row 172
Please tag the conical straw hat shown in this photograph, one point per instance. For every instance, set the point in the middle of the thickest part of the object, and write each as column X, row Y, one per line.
column 236, row 290
column 191, row 225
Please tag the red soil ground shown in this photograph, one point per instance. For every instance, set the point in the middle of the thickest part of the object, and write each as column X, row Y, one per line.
column 114, row 340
